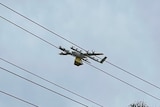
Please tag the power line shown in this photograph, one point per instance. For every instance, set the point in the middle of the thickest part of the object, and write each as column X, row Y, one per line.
column 123, row 81
column 120, row 68
column 53, row 46
column 50, row 82
column 41, row 26
column 96, row 67
column 54, row 33
column 43, row 87
column 133, row 75
column 18, row 98
column 29, row 32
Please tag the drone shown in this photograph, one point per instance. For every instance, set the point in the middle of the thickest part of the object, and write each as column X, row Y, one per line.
column 80, row 56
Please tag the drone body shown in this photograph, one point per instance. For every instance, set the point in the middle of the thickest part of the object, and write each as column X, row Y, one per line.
column 80, row 57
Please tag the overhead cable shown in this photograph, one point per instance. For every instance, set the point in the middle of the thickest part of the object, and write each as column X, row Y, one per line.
column 29, row 32
column 40, row 25
column 120, row 68
column 48, row 89
column 124, row 81
column 3, row 92
column 133, row 75
column 50, row 82
column 96, row 67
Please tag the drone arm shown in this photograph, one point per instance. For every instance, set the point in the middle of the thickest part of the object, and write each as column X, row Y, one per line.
column 65, row 52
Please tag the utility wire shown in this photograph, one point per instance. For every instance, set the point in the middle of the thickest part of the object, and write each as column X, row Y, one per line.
column 43, row 86
column 50, row 82
column 37, row 75
column 41, row 26
column 29, row 32
column 133, row 75
column 18, row 98
column 80, row 47
column 54, row 33
column 124, row 82
column 97, row 67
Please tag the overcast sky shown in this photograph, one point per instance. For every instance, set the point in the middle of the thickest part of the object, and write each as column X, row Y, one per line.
column 126, row 31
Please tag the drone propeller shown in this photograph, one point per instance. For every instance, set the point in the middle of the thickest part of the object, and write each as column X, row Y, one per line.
column 93, row 51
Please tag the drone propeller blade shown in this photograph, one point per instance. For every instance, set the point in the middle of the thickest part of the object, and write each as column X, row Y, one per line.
column 63, row 53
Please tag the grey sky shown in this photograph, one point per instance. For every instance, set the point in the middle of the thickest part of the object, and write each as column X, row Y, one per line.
column 127, row 32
